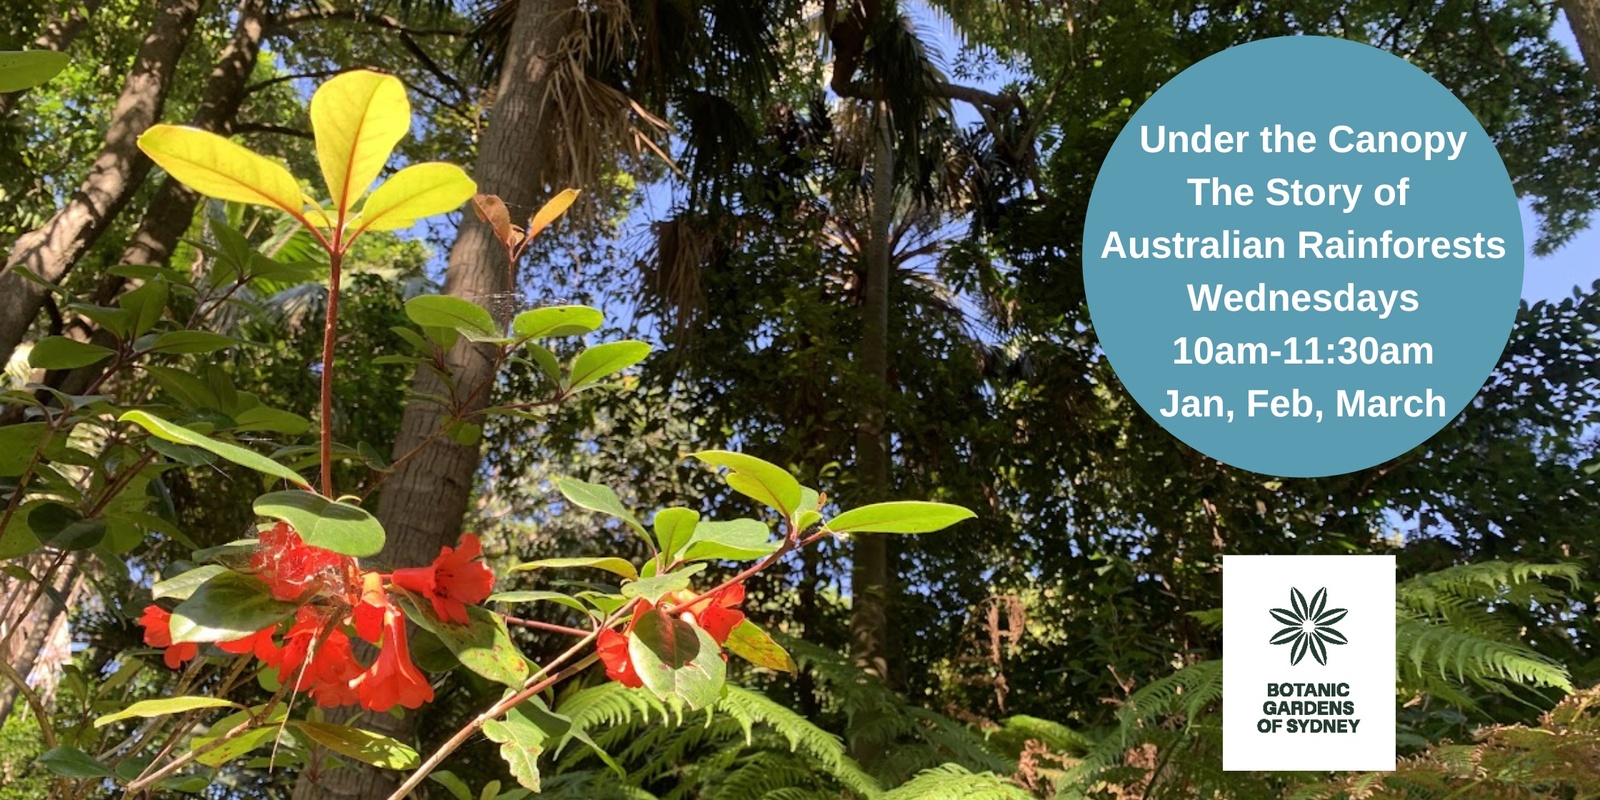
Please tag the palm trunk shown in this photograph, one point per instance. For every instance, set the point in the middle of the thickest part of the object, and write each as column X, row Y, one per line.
column 58, row 35
column 870, row 579
column 1584, row 17
column 51, row 251
column 423, row 502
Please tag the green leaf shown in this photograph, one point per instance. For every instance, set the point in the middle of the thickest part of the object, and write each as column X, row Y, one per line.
column 616, row 566
column 272, row 420
column 596, row 497
column 244, row 742
column 64, row 528
column 73, row 763
column 457, row 787
column 246, row 458
column 185, row 342
column 163, row 707
column 537, row 596
column 144, row 305
column 555, row 321
column 28, row 68
column 767, row 484
column 233, row 748
column 182, row 586
column 676, row 659
column 324, row 523
column 605, row 359
column 730, row 540
column 904, row 516
column 229, row 606
column 60, row 352
column 653, row 589
column 18, row 443
column 364, row 746
column 234, row 549
column 523, row 734
column 464, row 316
column 748, row 641
column 483, row 645
column 674, row 528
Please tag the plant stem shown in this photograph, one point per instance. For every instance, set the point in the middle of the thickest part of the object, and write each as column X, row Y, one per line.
column 330, row 335
column 544, row 626
column 496, row 711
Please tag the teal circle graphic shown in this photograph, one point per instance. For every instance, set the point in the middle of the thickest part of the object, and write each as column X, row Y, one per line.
column 1303, row 256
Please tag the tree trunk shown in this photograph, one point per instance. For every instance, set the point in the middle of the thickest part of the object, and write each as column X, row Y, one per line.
column 1584, row 17
column 57, row 35
column 172, row 207
column 423, row 502
column 51, row 251
column 870, row 579
column 35, row 631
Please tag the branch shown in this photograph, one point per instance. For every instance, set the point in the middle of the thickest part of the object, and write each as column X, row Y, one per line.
column 267, row 127
column 358, row 16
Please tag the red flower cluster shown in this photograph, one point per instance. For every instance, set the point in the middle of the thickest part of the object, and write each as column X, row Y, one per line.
column 314, row 654
column 717, row 614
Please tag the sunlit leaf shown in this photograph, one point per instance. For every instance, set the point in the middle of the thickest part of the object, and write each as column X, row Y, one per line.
column 604, row 360
column 615, row 566
column 766, row 483
column 238, row 455
column 324, row 523
column 905, row 516
column 357, row 118
column 676, row 659
column 364, row 746
column 749, row 642
column 163, row 707
column 227, row 607
column 420, row 190
column 217, row 167
column 29, row 68
column 551, row 211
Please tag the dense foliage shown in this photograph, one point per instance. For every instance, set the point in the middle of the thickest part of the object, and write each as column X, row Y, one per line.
column 830, row 251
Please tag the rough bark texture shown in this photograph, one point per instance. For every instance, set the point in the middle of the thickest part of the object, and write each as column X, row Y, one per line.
column 57, row 35
column 1584, row 17
column 869, row 581
column 51, row 251
column 422, row 504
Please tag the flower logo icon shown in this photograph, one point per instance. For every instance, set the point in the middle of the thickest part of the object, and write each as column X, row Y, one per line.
column 1310, row 626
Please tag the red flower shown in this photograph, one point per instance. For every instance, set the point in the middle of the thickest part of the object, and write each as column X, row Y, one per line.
column 613, row 649
column 392, row 679
column 367, row 616
column 716, row 613
column 455, row 579
column 291, row 568
column 157, row 624
column 259, row 643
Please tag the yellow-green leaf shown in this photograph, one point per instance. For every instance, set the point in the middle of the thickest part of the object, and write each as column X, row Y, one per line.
column 366, row 746
column 164, row 706
column 216, row 167
column 357, row 117
column 420, row 190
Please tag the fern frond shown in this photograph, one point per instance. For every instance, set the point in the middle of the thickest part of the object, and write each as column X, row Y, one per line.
column 954, row 782
column 1430, row 652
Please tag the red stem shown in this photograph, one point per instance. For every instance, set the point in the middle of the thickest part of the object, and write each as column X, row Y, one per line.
column 329, row 339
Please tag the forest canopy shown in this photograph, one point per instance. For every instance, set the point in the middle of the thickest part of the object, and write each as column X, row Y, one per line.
column 699, row 400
